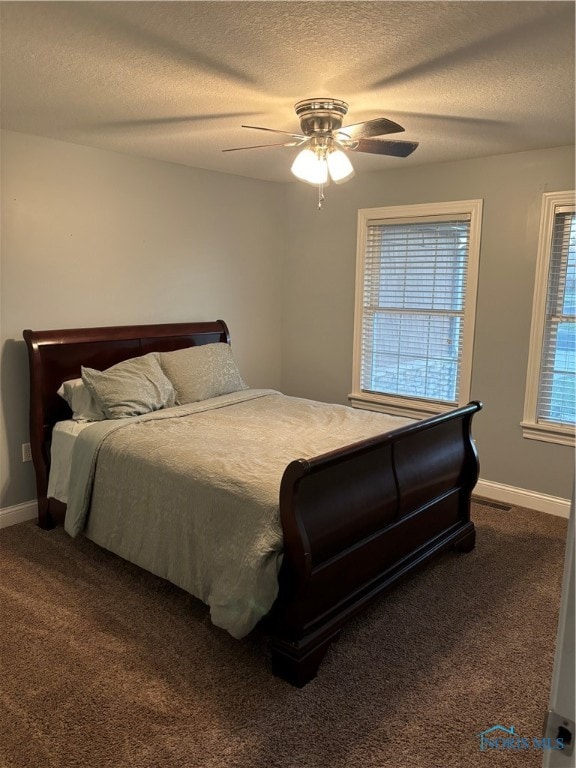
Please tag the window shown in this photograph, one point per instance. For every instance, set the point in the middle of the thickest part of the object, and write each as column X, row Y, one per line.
column 416, row 282
column 550, row 406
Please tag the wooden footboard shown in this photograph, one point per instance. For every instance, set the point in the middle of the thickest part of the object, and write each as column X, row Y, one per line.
column 357, row 519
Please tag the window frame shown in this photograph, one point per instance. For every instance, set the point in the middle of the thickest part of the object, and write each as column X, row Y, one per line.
column 407, row 405
column 532, row 428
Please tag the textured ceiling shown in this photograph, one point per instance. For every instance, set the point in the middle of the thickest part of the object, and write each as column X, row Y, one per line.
column 176, row 80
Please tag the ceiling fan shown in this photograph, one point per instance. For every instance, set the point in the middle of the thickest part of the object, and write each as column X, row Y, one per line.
column 324, row 141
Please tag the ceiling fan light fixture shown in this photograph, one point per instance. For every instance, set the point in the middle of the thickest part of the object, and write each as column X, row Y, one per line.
column 327, row 143
column 310, row 167
column 339, row 166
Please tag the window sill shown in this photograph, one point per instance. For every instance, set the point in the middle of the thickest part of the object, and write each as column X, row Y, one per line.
column 398, row 406
column 548, row 433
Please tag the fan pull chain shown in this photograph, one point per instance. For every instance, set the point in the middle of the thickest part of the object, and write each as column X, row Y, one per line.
column 320, row 196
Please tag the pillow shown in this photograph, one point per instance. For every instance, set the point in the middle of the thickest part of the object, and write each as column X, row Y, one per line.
column 130, row 388
column 80, row 401
column 199, row 373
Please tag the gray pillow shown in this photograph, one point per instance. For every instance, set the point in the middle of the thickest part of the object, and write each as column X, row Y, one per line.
column 130, row 388
column 199, row 373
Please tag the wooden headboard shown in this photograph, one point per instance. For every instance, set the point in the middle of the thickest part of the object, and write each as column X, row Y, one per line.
column 56, row 356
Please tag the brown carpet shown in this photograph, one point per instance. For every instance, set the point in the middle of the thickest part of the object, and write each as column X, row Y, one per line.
column 103, row 665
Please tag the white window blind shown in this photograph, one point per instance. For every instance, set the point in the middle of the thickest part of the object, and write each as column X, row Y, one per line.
column 414, row 289
column 416, row 281
column 550, row 405
column 557, row 385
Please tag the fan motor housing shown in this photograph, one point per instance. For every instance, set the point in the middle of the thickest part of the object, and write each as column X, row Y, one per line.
column 320, row 115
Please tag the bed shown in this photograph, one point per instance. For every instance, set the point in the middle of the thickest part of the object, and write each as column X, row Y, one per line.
column 353, row 520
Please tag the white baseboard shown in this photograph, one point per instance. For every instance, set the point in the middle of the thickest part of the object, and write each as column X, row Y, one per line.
column 508, row 494
column 19, row 513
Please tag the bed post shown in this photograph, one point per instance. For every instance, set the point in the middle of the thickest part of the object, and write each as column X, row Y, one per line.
column 38, row 446
column 296, row 664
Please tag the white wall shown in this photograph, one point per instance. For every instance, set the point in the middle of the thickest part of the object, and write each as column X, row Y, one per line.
column 318, row 295
column 98, row 238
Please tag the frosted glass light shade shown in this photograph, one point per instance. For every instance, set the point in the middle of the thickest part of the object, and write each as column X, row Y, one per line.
column 309, row 167
column 339, row 166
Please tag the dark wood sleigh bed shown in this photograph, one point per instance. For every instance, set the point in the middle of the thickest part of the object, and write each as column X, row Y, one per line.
column 354, row 520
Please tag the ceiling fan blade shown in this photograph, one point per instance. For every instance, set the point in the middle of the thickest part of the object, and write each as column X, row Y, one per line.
column 274, row 130
column 380, row 126
column 263, row 146
column 381, row 147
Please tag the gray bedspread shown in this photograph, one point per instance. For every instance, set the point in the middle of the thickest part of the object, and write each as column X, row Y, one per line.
column 191, row 493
